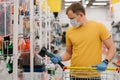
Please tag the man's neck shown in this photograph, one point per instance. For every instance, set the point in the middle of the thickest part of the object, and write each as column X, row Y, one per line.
column 85, row 20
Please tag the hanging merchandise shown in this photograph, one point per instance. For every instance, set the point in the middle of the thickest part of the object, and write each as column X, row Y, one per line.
column 1, row 52
column 24, row 7
column 63, row 38
column 26, row 29
column 37, row 40
column 51, row 69
column 118, row 62
column 58, row 31
column 116, row 9
column 55, row 15
column 7, row 48
column 38, row 66
column 9, row 65
column 7, row 53
column 27, row 41
column 24, row 45
column 56, row 36
column 7, row 10
column 4, row 73
column 58, row 42
column 30, row 37
column 21, row 44
column 116, row 38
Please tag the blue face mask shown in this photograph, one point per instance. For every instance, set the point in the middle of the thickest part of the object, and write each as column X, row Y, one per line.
column 74, row 23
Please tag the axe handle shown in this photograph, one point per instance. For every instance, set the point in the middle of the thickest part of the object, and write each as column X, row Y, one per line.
column 61, row 65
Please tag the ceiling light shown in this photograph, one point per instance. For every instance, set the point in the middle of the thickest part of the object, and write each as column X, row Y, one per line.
column 99, row 4
column 67, row 4
column 102, row 0
column 86, row 2
column 85, row 5
column 66, row 7
column 93, row 7
column 111, row 5
column 71, row 0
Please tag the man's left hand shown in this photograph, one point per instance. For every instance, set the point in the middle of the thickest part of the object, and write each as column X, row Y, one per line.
column 102, row 66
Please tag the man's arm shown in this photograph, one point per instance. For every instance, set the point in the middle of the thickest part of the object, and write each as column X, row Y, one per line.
column 67, row 55
column 111, row 48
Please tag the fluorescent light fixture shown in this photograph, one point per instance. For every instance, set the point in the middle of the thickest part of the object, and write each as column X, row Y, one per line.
column 99, row 4
column 85, row 5
column 102, row 0
column 86, row 2
column 67, row 4
column 111, row 5
column 71, row 0
column 93, row 7
column 66, row 7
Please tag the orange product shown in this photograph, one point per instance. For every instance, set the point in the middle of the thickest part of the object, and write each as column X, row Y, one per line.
column 24, row 44
column 27, row 44
column 21, row 44
column 12, row 10
column 24, row 7
column 118, row 62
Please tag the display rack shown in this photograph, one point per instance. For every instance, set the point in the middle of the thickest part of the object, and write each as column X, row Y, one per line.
column 6, row 47
column 116, row 38
column 31, row 30
column 40, row 35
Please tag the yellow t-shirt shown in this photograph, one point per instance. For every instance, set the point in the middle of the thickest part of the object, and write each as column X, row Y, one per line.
column 87, row 43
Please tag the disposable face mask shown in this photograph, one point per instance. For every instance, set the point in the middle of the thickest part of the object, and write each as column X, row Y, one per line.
column 74, row 23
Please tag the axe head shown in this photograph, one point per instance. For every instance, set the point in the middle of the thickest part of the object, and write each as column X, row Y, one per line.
column 42, row 52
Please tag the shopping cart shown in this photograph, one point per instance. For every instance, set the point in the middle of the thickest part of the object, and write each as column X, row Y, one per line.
column 84, row 73
column 89, row 73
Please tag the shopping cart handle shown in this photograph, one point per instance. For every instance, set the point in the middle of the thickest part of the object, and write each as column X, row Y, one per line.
column 91, row 68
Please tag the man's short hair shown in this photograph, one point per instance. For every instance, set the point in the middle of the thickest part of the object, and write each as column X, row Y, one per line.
column 76, row 7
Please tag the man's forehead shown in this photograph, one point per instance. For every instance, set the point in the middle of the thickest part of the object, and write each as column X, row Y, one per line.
column 71, row 14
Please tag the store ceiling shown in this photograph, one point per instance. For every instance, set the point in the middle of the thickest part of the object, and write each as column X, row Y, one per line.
column 87, row 3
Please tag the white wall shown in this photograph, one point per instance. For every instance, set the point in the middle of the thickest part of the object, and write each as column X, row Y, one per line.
column 63, row 17
column 97, row 14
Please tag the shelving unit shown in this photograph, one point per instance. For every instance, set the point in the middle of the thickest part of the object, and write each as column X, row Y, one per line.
column 116, row 38
column 6, row 47
column 30, row 31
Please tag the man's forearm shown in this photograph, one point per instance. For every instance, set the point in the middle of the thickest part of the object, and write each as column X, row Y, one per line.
column 66, row 57
column 111, row 53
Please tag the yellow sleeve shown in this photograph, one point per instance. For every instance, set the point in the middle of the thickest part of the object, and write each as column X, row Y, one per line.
column 68, row 41
column 104, row 33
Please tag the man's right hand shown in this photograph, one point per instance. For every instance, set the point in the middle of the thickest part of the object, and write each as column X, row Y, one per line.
column 55, row 59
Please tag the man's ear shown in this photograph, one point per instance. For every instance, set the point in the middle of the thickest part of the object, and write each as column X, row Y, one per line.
column 81, row 14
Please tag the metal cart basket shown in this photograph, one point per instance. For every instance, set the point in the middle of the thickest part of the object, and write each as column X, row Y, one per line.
column 89, row 73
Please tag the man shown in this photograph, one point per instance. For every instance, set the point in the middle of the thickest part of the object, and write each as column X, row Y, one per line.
column 84, row 42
